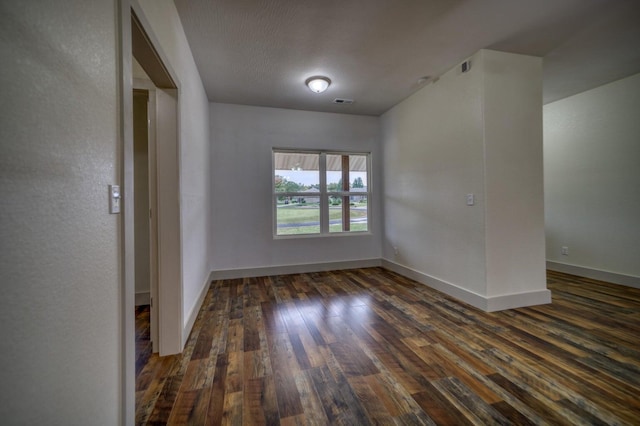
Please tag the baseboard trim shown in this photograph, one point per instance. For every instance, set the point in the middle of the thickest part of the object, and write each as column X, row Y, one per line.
column 195, row 310
column 596, row 274
column 452, row 290
column 518, row 300
column 487, row 304
column 143, row 298
column 226, row 274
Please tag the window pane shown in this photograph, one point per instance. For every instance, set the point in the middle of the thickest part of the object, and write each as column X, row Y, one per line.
column 357, row 216
column 296, row 172
column 334, row 173
column 297, row 215
column 358, row 173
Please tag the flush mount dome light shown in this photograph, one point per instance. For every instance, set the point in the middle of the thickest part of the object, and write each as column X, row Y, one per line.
column 318, row 84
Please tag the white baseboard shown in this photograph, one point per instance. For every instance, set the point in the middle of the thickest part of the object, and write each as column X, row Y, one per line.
column 518, row 300
column 195, row 310
column 596, row 274
column 487, row 304
column 143, row 298
column 227, row 274
column 452, row 290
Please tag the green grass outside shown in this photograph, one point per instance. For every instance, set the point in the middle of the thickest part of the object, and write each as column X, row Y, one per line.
column 315, row 229
column 305, row 213
column 299, row 230
column 298, row 213
column 355, row 227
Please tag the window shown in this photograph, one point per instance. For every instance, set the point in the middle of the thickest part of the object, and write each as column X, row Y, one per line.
column 320, row 193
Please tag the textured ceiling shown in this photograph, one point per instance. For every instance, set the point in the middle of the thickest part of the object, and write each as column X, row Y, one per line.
column 260, row 52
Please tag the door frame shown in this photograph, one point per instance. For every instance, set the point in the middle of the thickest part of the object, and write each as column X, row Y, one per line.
column 148, row 86
column 169, row 295
column 134, row 29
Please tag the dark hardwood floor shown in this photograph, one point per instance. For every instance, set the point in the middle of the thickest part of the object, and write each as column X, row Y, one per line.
column 143, row 338
column 368, row 346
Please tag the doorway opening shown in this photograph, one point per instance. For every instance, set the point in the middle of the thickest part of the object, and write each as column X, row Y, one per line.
column 145, row 227
column 165, row 276
column 158, row 225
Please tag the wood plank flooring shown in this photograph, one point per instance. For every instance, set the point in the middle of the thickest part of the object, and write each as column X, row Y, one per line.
column 368, row 346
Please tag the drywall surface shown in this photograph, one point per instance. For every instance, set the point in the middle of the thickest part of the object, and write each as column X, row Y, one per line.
column 193, row 140
column 469, row 133
column 59, row 259
column 242, row 140
column 514, row 199
column 433, row 156
column 592, row 178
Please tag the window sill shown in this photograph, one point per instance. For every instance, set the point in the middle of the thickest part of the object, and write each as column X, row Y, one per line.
column 331, row 235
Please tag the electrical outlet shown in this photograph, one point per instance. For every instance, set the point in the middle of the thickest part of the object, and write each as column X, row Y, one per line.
column 564, row 251
column 395, row 250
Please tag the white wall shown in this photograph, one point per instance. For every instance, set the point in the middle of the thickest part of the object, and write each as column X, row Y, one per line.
column 592, row 180
column 193, row 139
column 242, row 139
column 514, row 197
column 469, row 133
column 59, row 260
column 433, row 155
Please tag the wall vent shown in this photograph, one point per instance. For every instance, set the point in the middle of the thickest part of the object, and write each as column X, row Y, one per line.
column 342, row 101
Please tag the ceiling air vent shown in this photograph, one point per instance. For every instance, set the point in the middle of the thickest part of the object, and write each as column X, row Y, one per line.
column 342, row 101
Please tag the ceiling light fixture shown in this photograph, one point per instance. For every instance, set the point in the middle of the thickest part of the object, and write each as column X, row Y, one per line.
column 318, row 84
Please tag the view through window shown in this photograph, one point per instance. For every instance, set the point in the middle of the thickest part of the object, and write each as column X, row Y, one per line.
column 320, row 192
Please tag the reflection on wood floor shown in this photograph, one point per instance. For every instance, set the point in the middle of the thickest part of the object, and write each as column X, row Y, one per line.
column 368, row 346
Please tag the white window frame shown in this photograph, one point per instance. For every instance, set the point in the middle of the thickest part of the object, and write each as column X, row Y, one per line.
column 324, row 194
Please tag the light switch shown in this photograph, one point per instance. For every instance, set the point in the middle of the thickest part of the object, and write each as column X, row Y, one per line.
column 114, row 199
column 471, row 199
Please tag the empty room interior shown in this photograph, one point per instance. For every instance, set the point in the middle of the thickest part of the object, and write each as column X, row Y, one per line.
column 342, row 212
